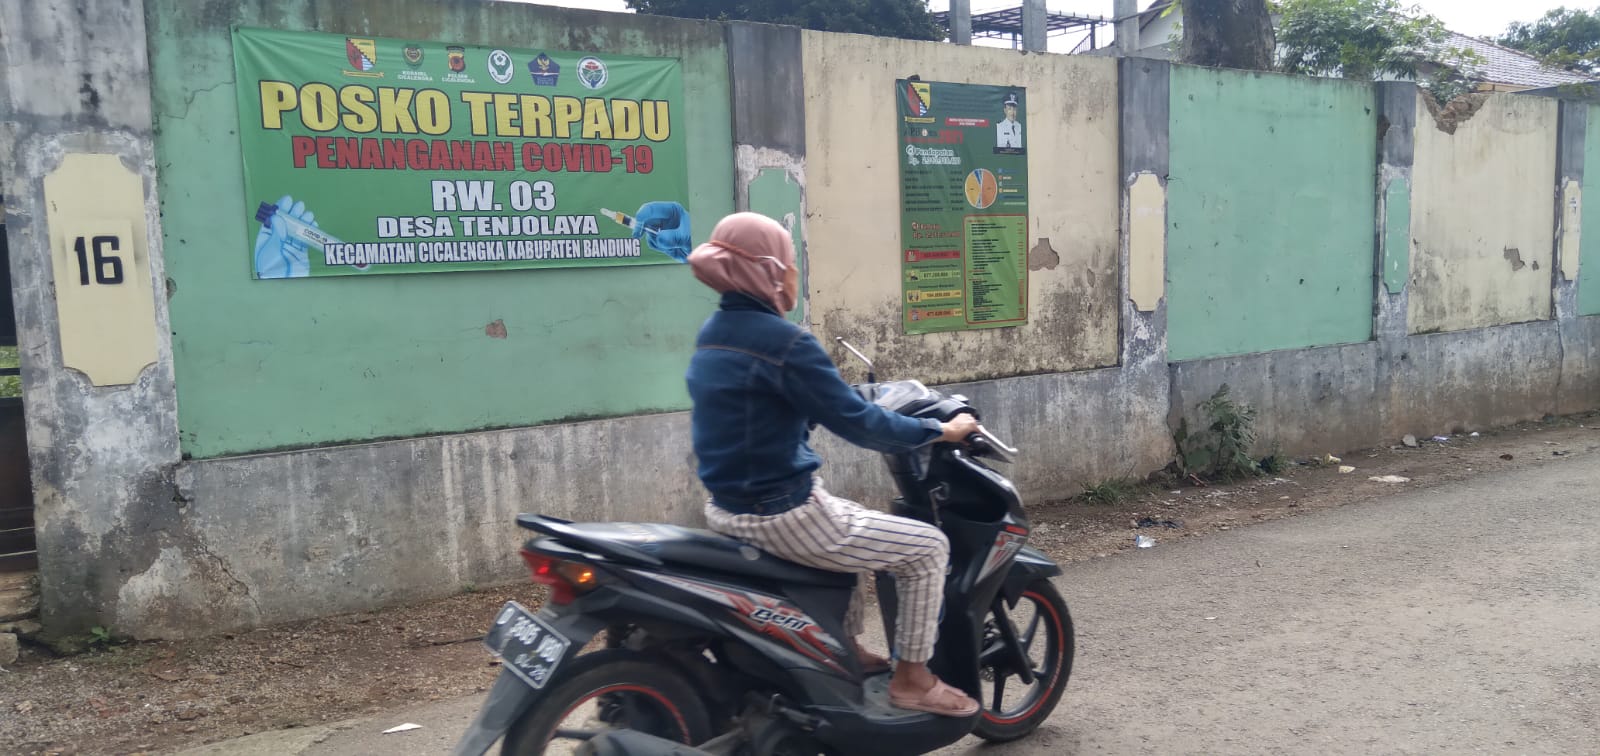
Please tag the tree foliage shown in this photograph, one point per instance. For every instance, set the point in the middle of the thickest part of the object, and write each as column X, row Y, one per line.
column 1358, row 39
column 1369, row 39
column 1354, row 39
column 1565, row 38
column 907, row 19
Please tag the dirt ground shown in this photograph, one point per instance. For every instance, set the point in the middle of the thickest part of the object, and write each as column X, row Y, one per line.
column 158, row 696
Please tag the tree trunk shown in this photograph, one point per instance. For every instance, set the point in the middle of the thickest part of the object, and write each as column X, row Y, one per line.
column 1228, row 33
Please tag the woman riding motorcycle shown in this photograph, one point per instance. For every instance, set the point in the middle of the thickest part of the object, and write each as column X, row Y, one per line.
column 759, row 384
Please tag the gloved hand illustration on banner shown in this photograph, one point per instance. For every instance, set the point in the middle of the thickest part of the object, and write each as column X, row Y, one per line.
column 279, row 254
column 668, row 224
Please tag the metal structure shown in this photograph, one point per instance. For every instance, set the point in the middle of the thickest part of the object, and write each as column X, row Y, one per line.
column 1006, row 23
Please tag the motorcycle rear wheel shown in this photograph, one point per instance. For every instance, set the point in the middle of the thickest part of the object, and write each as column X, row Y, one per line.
column 627, row 689
column 1046, row 639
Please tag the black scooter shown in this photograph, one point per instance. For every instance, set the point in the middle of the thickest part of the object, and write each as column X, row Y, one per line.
column 712, row 646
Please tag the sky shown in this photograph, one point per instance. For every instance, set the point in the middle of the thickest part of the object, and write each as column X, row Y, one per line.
column 1474, row 18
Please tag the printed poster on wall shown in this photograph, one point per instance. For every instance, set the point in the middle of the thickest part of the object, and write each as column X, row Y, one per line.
column 963, row 206
column 366, row 155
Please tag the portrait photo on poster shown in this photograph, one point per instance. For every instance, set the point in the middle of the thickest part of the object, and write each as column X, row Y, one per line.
column 1008, row 131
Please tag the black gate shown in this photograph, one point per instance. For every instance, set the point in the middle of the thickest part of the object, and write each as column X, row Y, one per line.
column 17, row 550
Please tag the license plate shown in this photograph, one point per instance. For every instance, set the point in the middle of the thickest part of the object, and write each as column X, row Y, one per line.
column 529, row 646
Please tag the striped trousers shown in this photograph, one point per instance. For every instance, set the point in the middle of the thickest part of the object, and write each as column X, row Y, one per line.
column 830, row 533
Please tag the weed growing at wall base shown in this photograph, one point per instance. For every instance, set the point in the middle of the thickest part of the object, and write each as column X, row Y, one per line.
column 1221, row 449
column 1108, row 492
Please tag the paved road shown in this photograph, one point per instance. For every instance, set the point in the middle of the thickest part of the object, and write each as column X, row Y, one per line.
column 1464, row 618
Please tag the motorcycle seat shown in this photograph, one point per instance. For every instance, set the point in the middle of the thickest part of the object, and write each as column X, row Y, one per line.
column 704, row 549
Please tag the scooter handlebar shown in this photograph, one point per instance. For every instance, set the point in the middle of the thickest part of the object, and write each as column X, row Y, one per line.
column 989, row 445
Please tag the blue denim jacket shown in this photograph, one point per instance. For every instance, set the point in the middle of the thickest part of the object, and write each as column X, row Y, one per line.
column 758, row 381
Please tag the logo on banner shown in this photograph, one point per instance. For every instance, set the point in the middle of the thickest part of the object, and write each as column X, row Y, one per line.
column 457, row 58
column 592, row 73
column 363, row 56
column 919, row 98
column 413, row 57
column 545, row 71
column 500, row 66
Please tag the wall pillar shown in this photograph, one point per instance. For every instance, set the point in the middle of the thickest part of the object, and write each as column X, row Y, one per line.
column 1579, row 381
column 102, row 449
column 1145, row 107
column 765, row 65
column 1397, row 124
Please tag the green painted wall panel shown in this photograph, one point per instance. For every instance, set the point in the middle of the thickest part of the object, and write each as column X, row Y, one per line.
column 274, row 364
column 1589, row 239
column 774, row 194
column 1271, row 209
column 1397, row 235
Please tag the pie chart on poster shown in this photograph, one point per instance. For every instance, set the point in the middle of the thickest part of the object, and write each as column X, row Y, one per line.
column 982, row 188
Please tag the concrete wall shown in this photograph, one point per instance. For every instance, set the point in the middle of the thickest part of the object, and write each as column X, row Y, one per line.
column 1350, row 396
column 1270, row 213
column 853, row 206
column 1166, row 219
column 1481, row 215
column 274, row 364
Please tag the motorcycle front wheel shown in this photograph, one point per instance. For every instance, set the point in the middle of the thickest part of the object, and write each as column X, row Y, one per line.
column 1040, row 637
column 611, row 689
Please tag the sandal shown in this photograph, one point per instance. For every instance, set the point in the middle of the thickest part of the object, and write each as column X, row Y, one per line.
column 941, row 699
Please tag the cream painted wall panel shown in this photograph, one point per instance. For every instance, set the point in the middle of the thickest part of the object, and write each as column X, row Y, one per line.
column 1147, row 242
column 1482, row 220
column 852, row 197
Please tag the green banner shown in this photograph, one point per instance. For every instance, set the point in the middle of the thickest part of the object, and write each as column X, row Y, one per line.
column 963, row 206
column 365, row 155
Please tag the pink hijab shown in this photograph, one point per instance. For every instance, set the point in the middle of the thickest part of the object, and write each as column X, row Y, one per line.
column 748, row 253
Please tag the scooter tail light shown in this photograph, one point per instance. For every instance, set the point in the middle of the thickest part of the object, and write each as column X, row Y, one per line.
column 565, row 579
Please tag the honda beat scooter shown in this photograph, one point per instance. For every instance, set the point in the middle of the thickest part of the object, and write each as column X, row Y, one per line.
column 712, row 646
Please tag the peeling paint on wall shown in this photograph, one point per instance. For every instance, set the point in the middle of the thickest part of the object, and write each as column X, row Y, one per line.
column 1514, row 256
column 777, row 192
column 1481, row 216
column 1043, row 256
column 1147, row 242
column 1448, row 118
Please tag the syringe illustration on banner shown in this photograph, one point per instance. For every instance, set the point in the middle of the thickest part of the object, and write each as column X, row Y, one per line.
column 666, row 224
column 280, row 249
column 626, row 221
column 297, row 229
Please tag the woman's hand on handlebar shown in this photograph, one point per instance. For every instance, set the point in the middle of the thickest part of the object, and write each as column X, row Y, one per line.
column 959, row 428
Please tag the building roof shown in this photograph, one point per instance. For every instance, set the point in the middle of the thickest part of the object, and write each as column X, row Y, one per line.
column 1503, row 65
